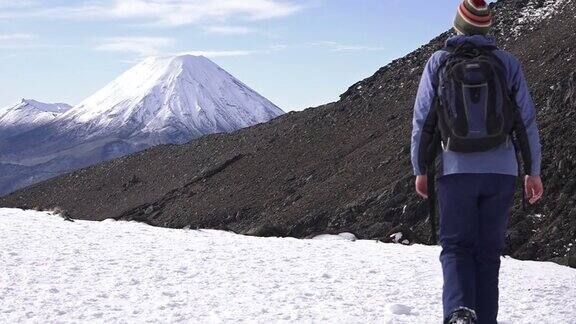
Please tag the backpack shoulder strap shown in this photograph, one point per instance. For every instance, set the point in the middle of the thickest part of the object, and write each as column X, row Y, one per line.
column 490, row 47
column 448, row 48
column 502, row 71
column 436, row 79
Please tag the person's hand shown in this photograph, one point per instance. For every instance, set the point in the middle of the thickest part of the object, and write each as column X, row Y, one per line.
column 422, row 186
column 534, row 188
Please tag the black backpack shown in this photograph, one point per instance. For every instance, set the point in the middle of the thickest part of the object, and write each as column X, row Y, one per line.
column 473, row 110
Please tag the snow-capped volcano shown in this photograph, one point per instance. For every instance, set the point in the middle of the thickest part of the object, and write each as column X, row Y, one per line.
column 161, row 100
column 172, row 99
column 28, row 114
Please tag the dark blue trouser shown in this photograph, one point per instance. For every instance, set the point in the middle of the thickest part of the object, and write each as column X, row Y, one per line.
column 474, row 211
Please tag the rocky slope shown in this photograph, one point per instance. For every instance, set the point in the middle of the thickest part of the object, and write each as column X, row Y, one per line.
column 344, row 166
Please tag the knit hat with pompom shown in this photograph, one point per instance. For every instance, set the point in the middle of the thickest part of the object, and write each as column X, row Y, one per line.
column 473, row 18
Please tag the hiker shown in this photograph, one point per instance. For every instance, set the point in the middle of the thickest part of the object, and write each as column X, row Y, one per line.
column 474, row 112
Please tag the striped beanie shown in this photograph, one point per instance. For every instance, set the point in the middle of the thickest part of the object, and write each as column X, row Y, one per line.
column 473, row 18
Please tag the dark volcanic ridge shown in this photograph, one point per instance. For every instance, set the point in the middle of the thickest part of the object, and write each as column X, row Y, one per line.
column 344, row 166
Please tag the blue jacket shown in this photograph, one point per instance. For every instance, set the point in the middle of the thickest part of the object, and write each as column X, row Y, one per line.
column 501, row 160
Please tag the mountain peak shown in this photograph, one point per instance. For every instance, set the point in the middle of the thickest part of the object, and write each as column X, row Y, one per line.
column 185, row 92
column 179, row 58
column 176, row 62
column 176, row 57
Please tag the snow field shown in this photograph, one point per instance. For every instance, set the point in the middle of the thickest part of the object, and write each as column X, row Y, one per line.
column 53, row 271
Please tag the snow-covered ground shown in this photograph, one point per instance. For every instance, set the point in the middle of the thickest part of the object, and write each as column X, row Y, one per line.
column 52, row 270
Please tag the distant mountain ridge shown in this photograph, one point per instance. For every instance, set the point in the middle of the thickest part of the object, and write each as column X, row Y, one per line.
column 28, row 114
column 161, row 100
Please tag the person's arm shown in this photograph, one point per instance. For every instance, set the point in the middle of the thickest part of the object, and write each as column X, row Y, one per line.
column 528, row 130
column 422, row 131
column 528, row 136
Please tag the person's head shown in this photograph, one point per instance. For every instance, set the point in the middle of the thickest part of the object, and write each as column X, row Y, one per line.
column 473, row 18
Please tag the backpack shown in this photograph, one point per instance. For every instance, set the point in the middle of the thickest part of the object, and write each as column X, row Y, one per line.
column 473, row 110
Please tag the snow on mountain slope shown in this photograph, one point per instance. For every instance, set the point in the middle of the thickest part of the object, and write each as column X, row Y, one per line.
column 57, row 271
column 162, row 100
column 56, row 108
column 28, row 114
column 536, row 11
column 187, row 96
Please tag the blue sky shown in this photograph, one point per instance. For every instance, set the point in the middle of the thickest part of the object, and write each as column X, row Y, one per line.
column 296, row 53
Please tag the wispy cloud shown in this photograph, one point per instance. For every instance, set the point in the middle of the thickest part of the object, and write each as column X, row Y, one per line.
column 15, row 37
column 16, row 40
column 8, row 57
column 277, row 47
column 229, row 30
column 150, row 46
column 15, row 3
column 234, row 53
column 162, row 12
column 143, row 46
column 184, row 12
column 326, row 45
column 338, row 47
column 216, row 54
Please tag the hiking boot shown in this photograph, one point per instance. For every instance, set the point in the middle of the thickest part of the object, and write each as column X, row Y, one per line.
column 462, row 315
